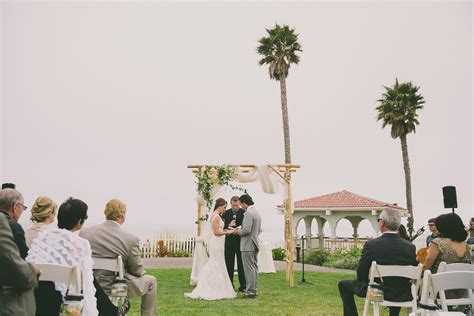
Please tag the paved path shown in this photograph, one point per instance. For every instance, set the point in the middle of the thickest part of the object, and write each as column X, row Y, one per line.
column 172, row 263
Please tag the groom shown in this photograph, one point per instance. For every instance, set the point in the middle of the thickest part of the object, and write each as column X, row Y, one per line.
column 251, row 228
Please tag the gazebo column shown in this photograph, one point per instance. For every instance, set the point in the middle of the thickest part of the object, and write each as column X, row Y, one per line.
column 321, row 221
column 296, row 222
column 355, row 221
column 307, row 222
column 332, row 221
column 375, row 225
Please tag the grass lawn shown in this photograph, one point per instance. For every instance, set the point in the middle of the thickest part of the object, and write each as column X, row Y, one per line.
column 275, row 296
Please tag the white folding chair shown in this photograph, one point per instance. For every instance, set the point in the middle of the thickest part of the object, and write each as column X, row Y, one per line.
column 61, row 274
column 441, row 282
column 443, row 267
column 410, row 272
column 109, row 264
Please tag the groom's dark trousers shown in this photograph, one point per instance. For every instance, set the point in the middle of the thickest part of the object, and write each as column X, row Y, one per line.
column 232, row 248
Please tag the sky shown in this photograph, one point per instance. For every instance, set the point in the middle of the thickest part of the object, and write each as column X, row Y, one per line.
column 103, row 100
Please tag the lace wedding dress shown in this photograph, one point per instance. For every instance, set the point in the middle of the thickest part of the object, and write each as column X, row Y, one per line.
column 214, row 282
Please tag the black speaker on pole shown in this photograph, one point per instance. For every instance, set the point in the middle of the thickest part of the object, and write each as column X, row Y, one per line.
column 449, row 197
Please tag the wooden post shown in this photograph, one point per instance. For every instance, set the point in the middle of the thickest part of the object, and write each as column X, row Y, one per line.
column 199, row 220
column 290, row 246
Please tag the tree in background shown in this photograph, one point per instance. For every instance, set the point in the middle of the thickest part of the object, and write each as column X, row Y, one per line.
column 398, row 107
column 279, row 50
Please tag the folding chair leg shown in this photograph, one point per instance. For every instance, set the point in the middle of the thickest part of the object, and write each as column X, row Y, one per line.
column 376, row 309
column 366, row 307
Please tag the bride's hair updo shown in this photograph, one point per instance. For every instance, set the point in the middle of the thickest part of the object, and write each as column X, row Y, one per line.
column 219, row 203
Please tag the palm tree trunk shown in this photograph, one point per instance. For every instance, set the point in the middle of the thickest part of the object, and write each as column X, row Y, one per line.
column 286, row 125
column 406, row 167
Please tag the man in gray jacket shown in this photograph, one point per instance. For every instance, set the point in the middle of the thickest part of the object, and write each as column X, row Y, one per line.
column 251, row 228
column 108, row 240
column 18, row 278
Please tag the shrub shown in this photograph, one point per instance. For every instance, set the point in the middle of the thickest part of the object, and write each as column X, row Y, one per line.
column 278, row 253
column 344, row 258
column 316, row 257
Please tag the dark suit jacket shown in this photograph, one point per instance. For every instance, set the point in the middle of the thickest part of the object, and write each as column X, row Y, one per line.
column 18, row 236
column 388, row 249
column 17, row 277
column 234, row 240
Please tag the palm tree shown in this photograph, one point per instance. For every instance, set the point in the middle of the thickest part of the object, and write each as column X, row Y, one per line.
column 279, row 50
column 398, row 108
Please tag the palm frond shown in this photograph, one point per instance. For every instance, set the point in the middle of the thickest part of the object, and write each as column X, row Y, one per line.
column 398, row 107
column 279, row 50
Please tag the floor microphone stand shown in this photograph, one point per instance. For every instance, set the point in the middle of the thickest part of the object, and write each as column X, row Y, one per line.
column 303, row 281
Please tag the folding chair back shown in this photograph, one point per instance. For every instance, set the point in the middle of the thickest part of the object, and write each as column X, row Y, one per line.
column 444, row 281
column 62, row 274
column 409, row 272
column 444, row 267
column 109, row 264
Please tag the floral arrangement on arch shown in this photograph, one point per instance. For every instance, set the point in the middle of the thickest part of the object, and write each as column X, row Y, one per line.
column 211, row 176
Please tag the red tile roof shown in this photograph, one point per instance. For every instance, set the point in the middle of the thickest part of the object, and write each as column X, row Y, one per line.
column 342, row 199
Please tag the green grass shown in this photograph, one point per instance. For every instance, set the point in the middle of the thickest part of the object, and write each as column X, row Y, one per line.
column 275, row 296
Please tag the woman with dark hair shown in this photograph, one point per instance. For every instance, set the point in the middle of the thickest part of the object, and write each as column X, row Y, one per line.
column 450, row 246
column 64, row 246
column 214, row 282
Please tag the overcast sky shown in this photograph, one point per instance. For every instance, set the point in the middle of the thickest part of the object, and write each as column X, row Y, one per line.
column 115, row 99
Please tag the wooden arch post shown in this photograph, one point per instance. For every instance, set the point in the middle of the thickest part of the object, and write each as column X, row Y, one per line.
column 284, row 171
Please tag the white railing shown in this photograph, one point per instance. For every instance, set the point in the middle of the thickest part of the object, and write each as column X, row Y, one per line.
column 167, row 245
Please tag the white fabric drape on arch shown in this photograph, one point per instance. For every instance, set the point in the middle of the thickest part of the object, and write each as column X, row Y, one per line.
column 270, row 183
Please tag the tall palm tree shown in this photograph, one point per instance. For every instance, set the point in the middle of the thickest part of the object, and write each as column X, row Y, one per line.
column 398, row 108
column 279, row 50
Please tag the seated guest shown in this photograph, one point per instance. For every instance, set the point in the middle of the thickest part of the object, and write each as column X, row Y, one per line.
column 11, row 204
column 470, row 240
column 18, row 278
column 64, row 246
column 450, row 246
column 43, row 213
column 402, row 231
column 434, row 231
column 388, row 249
column 108, row 240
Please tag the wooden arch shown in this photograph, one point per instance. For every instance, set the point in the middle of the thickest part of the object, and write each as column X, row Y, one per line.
column 284, row 171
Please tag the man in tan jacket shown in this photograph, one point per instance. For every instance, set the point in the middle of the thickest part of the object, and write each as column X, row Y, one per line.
column 108, row 240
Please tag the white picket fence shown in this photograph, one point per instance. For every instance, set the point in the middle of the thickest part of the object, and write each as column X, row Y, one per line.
column 165, row 244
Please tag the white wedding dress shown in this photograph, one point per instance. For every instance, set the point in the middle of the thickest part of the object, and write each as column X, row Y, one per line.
column 214, row 282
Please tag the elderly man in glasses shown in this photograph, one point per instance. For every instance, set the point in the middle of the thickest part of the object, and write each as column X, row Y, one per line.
column 12, row 205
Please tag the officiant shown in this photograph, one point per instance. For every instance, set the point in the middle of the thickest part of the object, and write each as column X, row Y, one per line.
column 233, row 217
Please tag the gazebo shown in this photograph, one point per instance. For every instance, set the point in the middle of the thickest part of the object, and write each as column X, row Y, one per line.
column 333, row 207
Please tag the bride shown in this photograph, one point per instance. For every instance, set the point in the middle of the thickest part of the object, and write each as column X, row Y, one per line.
column 214, row 282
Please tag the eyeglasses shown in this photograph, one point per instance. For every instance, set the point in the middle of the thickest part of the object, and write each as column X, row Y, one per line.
column 379, row 219
column 431, row 224
column 23, row 207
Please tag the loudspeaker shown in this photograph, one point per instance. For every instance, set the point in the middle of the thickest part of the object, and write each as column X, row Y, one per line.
column 449, row 197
